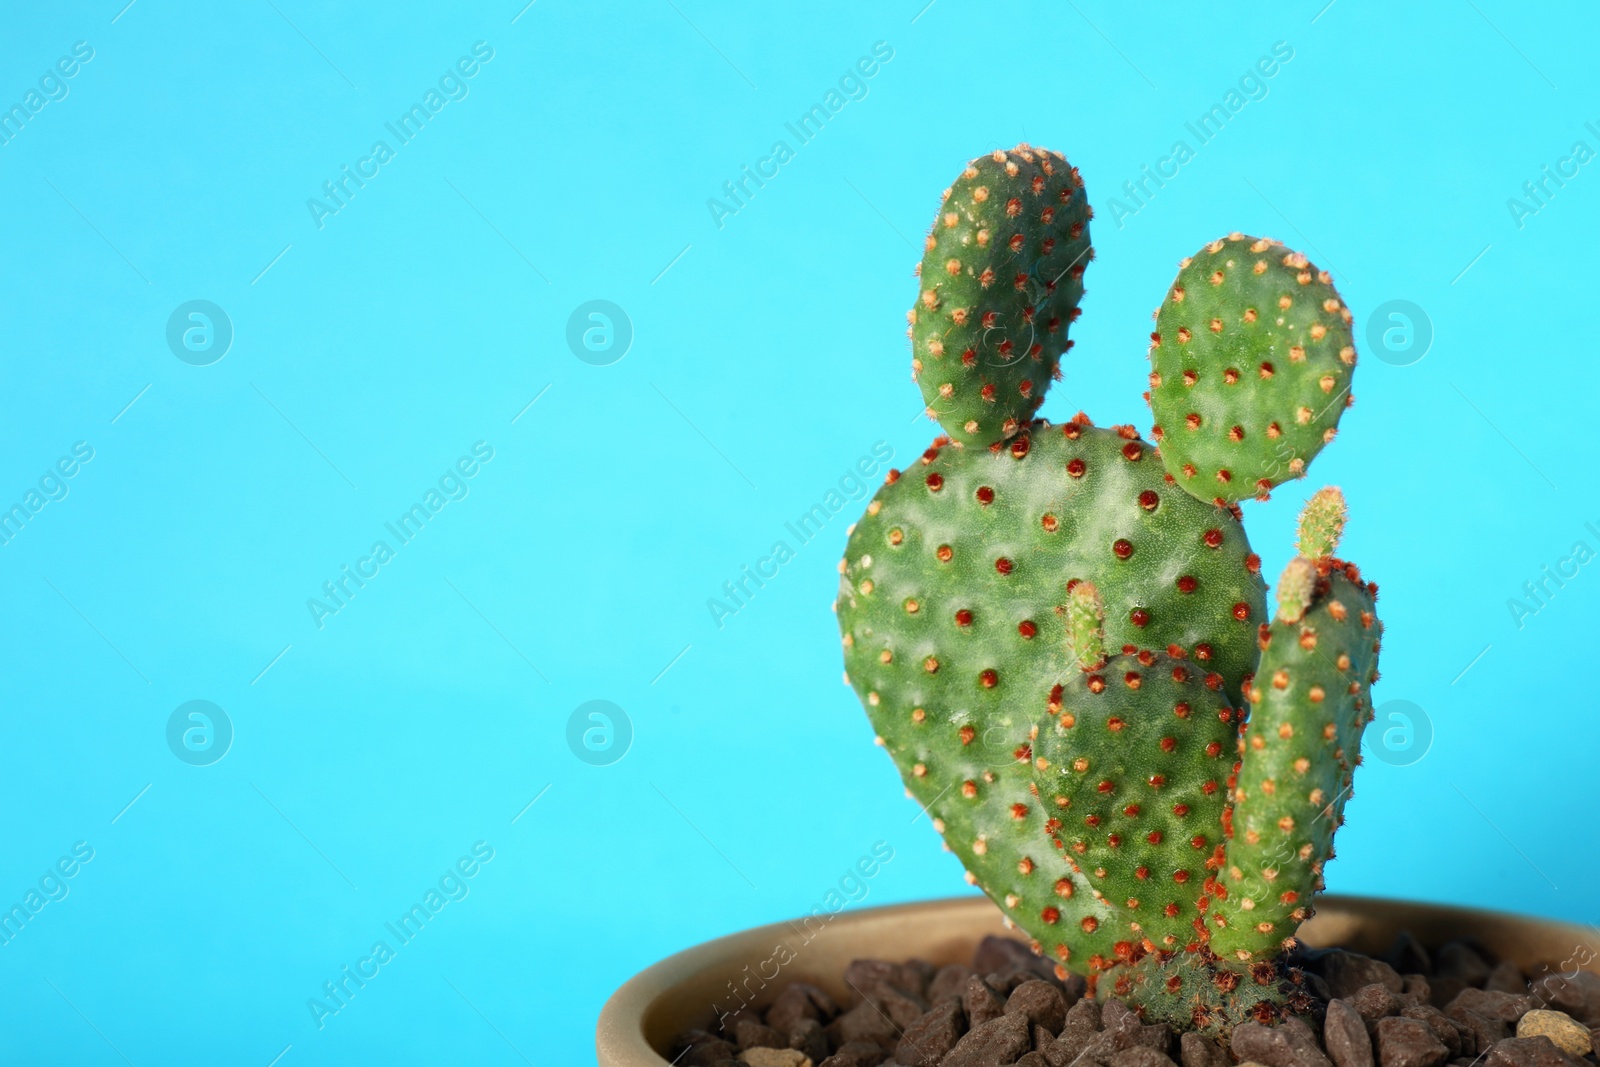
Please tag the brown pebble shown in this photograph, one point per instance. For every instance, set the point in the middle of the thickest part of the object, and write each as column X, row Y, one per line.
column 1113, row 1012
column 1140, row 1056
column 1374, row 1002
column 866, row 1024
column 1506, row 977
column 1507, row 1007
column 999, row 1041
column 1041, row 1002
column 748, row 1033
column 1527, row 1052
column 809, row 1037
column 1344, row 1033
column 948, row 983
column 927, row 1040
column 856, row 1054
column 981, row 1003
column 1575, row 992
column 1484, row 1030
column 1197, row 1050
column 1290, row 1044
column 1405, row 1042
column 703, row 1050
column 1005, row 954
column 1417, row 990
column 914, row 976
column 1444, row 1028
column 800, row 1001
column 1083, row 1023
column 1346, row 972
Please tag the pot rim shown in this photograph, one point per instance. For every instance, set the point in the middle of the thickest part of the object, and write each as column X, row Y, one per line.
column 620, row 1032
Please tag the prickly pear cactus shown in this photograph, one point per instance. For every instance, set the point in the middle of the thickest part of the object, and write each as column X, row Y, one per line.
column 1250, row 367
column 1060, row 634
column 1001, row 278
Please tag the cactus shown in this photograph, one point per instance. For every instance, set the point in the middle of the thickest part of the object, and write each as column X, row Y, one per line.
column 1308, row 706
column 1250, row 368
column 1059, row 632
column 1001, row 278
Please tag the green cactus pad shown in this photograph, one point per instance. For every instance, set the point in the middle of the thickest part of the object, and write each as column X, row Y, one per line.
column 1309, row 703
column 951, row 607
column 1251, row 364
column 1134, row 767
column 1000, row 282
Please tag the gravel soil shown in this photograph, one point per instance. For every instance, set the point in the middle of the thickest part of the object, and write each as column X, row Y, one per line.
column 1452, row 1006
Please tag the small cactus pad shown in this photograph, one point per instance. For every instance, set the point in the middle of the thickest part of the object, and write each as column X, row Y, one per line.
column 1000, row 282
column 1309, row 703
column 953, row 608
column 1251, row 362
column 1322, row 523
column 1133, row 766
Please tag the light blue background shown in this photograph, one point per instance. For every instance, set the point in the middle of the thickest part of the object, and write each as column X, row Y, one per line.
column 768, row 356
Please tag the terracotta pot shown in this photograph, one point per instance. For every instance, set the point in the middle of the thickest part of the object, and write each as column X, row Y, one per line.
column 678, row 993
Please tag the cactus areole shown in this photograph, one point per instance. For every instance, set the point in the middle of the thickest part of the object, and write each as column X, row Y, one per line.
column 1060, row 631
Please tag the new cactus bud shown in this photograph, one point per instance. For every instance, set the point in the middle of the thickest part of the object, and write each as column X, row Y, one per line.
column 1295, row 589
column 1322, row 523
column 1000, row 283
column 1086, row 635
column 1251, row 363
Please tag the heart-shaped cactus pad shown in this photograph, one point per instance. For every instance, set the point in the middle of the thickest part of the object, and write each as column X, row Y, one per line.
column 952, row 607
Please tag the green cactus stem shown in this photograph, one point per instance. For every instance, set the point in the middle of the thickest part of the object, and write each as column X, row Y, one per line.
column 1250, row 365
column 1001, row 278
